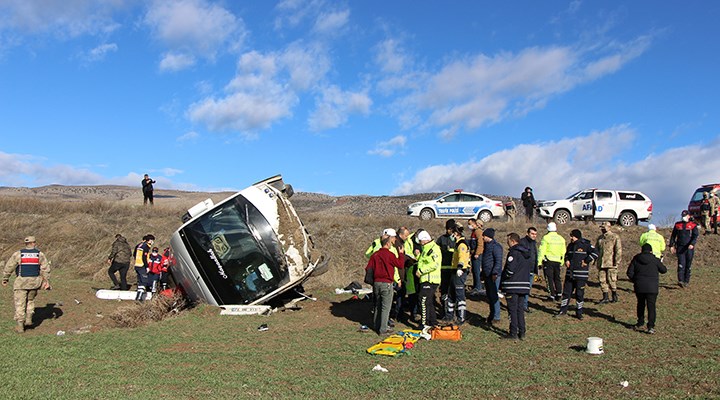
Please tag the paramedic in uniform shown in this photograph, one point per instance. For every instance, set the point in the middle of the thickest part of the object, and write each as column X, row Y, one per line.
column 32, row 270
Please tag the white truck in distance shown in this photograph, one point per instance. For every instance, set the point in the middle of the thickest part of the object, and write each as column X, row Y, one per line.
column 626, row 207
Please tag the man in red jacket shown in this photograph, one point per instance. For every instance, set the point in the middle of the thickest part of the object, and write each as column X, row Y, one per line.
column 383, row 263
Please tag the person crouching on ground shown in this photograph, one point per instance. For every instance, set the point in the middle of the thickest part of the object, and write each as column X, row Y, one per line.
column 515, row 283
column 383, row 264
column 644, row 272
column 580, row 253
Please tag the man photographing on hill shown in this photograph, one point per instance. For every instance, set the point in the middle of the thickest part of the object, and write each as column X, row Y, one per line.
column 147, row 189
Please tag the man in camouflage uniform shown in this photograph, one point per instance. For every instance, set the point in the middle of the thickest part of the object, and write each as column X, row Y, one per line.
column 705, row 213
column 32, row 270
column 609, row 249
column 119, row 260
column 714, row 205
column 510, row 210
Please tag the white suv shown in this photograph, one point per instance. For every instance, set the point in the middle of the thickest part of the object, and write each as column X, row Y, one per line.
column 626, row 207
column 458, row 204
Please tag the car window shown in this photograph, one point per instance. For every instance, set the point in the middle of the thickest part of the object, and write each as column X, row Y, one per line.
column 603, row 195
column 452, row 198
column 585, row 195
column 470, row 197
column 699, row 194
column 630, row 196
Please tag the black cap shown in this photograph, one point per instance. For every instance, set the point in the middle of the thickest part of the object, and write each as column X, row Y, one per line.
column 684, row 213
column 576, row 233
column 450, row 224
column 489, row 232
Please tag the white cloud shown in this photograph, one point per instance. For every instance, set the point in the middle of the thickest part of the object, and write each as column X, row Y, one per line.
column 555, row 169
column 335, row 106
column 266, row 88
column 192, row 135
column 60, row 19
column 194, row 28
column 292, row 13
column 99, row 52
column 176, row 61
column 472, row 91
column 389, row 147
column 331, row 22
column 22, row 170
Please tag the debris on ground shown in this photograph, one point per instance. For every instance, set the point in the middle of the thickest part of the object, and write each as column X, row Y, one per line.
column 379, row 368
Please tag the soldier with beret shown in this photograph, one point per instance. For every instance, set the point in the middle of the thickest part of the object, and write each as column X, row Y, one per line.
column 32, row 271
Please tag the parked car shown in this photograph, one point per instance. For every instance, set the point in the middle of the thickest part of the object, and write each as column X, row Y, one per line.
column 458, row 204
column 246, row 250
column 696, row 199
column 626, row 207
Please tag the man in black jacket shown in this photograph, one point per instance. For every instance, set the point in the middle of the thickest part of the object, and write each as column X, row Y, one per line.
column 682, row 243
column 580, row 253
column 644, row 272
column 515, row 284
column 528, row 201
column 530, row 242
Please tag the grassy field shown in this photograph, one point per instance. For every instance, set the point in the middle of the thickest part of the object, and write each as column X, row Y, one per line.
column 317, row 352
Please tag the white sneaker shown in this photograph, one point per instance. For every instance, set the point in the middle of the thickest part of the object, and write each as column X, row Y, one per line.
column 501, row 295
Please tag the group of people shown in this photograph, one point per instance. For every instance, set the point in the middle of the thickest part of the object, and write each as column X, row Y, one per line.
column 407, row 269
column 151, row 266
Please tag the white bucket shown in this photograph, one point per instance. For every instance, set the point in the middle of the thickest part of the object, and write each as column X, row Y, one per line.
column 594, row 345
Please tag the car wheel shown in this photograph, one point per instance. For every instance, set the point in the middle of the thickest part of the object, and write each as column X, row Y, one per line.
column 485, row 216
column 427, row 214
column 627, row 219
column 561, row 217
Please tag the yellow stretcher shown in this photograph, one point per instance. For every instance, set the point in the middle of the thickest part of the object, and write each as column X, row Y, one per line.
column 396, row 344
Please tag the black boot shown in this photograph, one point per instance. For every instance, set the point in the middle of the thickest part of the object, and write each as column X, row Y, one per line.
column 614, row 297
column 604, row 300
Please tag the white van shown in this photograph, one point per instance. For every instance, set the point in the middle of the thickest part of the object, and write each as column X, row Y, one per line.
column 626, row 207
column 246, row 250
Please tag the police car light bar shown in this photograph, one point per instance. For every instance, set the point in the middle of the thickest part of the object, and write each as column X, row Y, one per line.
column 458, row 190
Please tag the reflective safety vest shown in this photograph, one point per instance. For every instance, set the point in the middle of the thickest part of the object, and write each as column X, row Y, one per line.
column 552, row 248
column 656, row 240
column 374, row 247
column 141, row 252
column 29, row 263
column 409, row 247
column 429, row 263
column 461, row 256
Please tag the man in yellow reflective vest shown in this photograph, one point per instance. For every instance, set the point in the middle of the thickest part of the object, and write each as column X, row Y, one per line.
column 656, row 241
column 551, row 255
column 428, row 270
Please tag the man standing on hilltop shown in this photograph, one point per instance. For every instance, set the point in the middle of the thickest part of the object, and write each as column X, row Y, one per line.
column 119, row 260
column 529, row 203
column 33, row 271
column 147, row 189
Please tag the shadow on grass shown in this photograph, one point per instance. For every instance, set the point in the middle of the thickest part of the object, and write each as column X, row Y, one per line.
column 49, row 311
column 355, row 310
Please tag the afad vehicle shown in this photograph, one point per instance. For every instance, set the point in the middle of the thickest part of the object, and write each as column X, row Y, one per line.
column 247, row 250
column 697, row 197
column 457, row 204
column 626, row 207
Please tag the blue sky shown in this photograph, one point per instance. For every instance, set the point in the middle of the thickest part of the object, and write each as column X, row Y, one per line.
column 363, row 97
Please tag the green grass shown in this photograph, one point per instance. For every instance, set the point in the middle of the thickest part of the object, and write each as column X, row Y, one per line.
column 317, row 353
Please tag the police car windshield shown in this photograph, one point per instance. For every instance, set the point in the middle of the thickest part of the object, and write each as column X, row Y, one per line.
column 238, row 252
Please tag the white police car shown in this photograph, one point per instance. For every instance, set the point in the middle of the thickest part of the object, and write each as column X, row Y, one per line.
column 457, row 204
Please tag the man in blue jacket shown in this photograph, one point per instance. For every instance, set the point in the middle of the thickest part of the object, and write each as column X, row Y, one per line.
column 516, row 284
column 492, row 259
